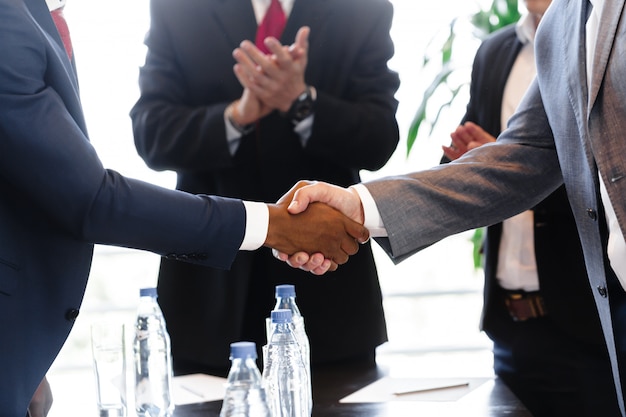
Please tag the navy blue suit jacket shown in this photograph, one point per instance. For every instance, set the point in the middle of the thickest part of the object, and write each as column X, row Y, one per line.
column 57, row 201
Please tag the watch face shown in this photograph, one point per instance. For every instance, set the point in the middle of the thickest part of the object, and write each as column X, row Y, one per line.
column 302, row 107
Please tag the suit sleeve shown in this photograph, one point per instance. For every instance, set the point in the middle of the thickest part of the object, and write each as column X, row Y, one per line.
column 47, row 162
column 357, row 127
column 485, row 186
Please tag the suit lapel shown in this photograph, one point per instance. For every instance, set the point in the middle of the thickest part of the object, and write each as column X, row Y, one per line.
column 236, row 19
column 40, row 12
column 611, row 15
column 574, row 56
column 312, row 13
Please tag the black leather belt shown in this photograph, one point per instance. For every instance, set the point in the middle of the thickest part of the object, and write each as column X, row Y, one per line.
column 524, row 305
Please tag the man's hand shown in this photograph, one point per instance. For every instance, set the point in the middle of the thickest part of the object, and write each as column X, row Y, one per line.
column 345, row 200
column 42, row 400
column 276, row 79
column 303, row 194
column 465, row 138
column 318, row 230
column 248, row 109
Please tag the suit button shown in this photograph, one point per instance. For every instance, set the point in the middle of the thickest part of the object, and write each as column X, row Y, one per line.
column 71, row 314
column 592, row 214
column 602, row 291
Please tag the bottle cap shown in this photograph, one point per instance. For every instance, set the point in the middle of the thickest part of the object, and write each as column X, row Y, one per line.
column 243, row 350
column 281, row 316
column 285, row 290
column 148, row 292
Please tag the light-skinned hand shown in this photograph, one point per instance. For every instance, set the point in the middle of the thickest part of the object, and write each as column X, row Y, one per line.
column 465, row 138
column 276, row 79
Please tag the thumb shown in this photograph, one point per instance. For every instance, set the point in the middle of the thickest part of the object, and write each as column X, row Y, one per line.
column 301, row 200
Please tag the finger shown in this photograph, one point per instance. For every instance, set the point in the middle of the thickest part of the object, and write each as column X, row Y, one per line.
column 264, row 63
column 479, row 134
column 341, row 256
column 289, row 194
column 350, row 247
column 300, row 47
column 326, row 266
column 450, row 152
column 306, row 195
column 461, row 137
column 280, row 55
column 298, row 259
column 245, row 60
column 358, row 232
column 314, row 261
column 302, row 37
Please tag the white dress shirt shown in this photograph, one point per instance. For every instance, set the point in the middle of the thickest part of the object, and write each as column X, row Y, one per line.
column 55, row 4
column 517, row 265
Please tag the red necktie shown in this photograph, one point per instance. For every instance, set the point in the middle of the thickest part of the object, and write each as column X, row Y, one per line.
column 272, row 25
column 59, row 21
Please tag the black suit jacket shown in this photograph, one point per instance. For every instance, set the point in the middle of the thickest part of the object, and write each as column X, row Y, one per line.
column 560, row 263
column 186, row 83
column 57, row 201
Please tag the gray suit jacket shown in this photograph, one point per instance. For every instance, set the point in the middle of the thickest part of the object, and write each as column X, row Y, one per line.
column 559, row 134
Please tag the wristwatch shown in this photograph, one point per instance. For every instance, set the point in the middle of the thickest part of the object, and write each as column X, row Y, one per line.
column 302, row 107
column 242, row 129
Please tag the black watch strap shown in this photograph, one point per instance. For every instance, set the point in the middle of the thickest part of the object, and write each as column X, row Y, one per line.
column 242, row 129
column 302, row 107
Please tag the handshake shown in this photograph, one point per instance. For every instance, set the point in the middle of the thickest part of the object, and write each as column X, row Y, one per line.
column 316, row 226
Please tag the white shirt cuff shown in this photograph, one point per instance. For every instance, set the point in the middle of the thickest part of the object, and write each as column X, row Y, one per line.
column 257, row 223
column 233, row 136
column 373, row 222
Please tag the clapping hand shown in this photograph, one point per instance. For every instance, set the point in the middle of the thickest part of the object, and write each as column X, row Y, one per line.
column 465, row 138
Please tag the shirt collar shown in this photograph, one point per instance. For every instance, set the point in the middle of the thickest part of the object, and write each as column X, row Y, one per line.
column 55, row 4
column 597, row 5
column 260, row 7
column 525, row 29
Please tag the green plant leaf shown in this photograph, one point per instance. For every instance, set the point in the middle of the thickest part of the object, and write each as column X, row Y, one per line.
column 477, row 241
column 420, row 115
column 501, row 13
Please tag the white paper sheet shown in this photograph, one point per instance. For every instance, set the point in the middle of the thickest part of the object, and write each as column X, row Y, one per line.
column 430, row 389
column 197, row 388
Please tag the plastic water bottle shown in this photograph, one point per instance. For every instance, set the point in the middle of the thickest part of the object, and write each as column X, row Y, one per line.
column 245, row 395
column 152, row 359
column 284, row 373
column 286, row 299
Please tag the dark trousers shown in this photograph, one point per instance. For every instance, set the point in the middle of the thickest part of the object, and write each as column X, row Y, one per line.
column 553, row 374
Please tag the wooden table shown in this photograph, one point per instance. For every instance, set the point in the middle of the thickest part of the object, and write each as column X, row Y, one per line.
column 491, row 399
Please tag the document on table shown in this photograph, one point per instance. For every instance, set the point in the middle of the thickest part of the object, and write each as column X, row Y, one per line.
column 414, row 389
column 197, row 388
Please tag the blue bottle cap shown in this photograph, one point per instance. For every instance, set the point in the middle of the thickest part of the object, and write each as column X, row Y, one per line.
column 281, row 316
column 148, row 292
column 243, row 350
column 285, row 290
